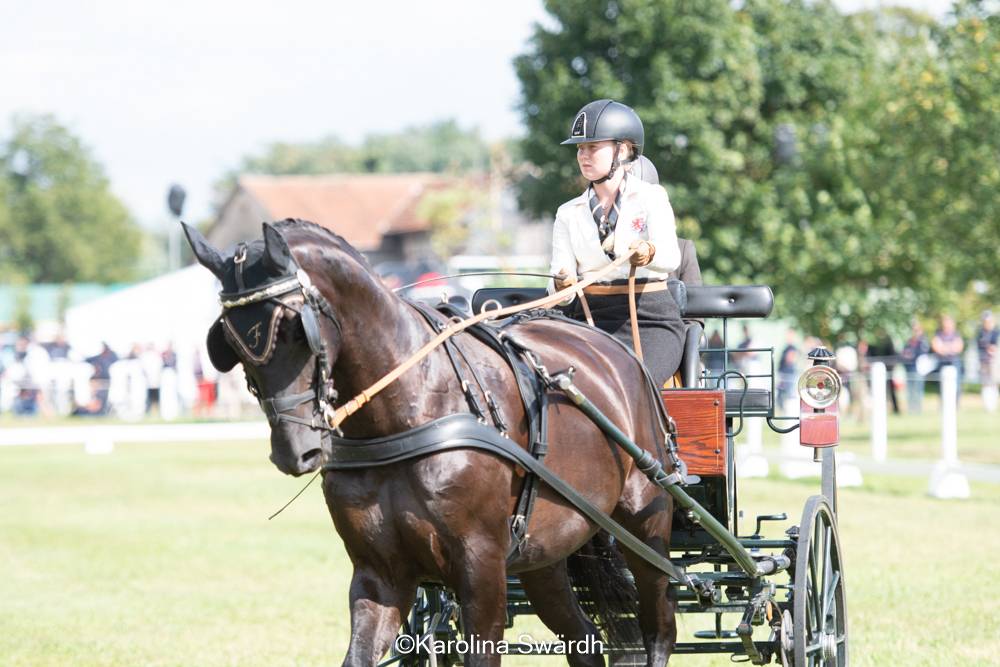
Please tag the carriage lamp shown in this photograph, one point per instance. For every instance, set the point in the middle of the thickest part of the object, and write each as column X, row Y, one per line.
column 819, row 388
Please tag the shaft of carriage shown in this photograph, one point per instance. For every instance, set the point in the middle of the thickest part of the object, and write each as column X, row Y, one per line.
column 672, row 484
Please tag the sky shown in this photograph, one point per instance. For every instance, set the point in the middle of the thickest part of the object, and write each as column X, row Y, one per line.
column 179, row 92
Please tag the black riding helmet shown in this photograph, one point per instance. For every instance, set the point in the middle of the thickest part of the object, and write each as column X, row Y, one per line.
column 607, row 120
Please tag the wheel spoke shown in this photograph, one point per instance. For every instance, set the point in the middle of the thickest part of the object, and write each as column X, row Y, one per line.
column 815, row 597
column 828, row 602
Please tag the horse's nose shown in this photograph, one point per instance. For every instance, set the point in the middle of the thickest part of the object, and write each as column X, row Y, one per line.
column 309, row 461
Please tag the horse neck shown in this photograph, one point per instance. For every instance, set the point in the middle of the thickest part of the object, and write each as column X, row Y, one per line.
column 380, row 333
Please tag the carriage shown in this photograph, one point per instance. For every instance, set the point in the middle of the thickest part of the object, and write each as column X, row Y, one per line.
column 446, row 438
column 794, row 615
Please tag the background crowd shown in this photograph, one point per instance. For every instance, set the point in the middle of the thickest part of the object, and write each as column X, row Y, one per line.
column 50, row 378
column 911, row 364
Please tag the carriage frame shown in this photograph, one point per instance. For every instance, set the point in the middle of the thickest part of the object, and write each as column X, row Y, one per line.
column 801, row 621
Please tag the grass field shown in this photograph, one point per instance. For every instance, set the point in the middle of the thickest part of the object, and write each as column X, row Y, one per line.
column 163, row 555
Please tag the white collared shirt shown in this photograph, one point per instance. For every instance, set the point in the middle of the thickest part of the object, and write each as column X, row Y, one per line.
column 645, row 215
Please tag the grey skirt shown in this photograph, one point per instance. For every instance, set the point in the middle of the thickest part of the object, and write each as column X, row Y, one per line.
column 661, row 330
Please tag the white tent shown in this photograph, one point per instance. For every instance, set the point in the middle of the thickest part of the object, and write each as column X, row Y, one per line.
column 176, row 308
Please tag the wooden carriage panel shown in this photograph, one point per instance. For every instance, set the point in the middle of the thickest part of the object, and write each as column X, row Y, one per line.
column 700, row 415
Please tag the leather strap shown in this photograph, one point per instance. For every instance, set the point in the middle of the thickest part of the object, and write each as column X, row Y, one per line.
column 463, row 431
column 632, row 315
column 582, row 296
column 640, row 288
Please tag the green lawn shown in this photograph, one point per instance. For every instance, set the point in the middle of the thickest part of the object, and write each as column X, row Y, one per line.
column 163, row 555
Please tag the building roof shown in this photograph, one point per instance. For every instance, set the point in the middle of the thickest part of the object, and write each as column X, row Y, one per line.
column 360, row 207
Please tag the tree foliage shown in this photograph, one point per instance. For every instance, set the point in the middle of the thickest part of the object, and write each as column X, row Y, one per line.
column 849, row 161
column 59, row 220
column 438, row 147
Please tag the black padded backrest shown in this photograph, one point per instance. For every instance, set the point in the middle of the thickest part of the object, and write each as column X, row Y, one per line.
column 507, row 296
column 729, row 301
column 702, row 302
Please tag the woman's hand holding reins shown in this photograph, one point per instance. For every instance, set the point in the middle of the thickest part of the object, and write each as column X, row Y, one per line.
column 642, row 252
column 563, row 279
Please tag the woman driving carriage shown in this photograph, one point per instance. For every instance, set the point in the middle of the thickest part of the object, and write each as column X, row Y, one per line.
column 616, row 215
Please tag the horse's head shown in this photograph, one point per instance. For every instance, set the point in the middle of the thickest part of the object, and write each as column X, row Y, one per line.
column 283, row 331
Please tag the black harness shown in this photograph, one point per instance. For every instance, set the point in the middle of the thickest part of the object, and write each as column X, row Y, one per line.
column 253, row 330
column 464, row 431
column 531, row 389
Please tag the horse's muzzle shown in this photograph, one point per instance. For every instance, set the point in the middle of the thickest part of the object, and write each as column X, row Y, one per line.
column 305, row 463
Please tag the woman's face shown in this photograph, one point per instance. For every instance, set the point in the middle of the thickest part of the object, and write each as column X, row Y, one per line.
column 595, row 158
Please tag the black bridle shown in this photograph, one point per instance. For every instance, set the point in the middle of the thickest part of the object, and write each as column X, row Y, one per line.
column 321, row 392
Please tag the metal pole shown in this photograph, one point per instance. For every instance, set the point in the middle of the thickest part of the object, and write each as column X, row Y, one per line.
column 828, row 479
column 880, row 436
column 174, row 245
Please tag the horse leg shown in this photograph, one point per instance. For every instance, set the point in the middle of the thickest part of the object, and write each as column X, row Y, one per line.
column 554, row 602
column 378, row 607
column 657, row 612
column 482, row 590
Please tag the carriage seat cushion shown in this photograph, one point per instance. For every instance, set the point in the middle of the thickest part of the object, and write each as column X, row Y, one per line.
column 706, row 301
column 756, row 402
column 695, row 302
column 515, row 296
column 505, row 296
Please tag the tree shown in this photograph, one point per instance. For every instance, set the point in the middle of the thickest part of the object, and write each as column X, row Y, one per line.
column 437, row 147
column 59, row 220
column 447, row 212
column 776, row 128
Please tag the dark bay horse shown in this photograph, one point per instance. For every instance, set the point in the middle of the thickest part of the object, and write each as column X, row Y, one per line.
column 444, row 516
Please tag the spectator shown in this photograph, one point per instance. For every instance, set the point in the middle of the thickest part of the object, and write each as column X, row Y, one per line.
column 884, row 350
column 152, row 368
column 715, row 358
column 170, row 357
column 788, row 369
column 742, row 358
column 59, row 348
column 986, row 343
column 27, row 374
column 915, row 347
column 100, row 380
column 854, row 390
column 948, row 346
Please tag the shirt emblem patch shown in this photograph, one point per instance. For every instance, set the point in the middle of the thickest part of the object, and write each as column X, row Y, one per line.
column 639, row 224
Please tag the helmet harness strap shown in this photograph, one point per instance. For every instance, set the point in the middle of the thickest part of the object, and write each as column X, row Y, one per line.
column 614, row 165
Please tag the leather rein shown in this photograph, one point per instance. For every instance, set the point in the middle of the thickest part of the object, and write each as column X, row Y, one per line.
column 322, row 392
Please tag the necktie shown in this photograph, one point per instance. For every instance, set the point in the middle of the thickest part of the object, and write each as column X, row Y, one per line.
column 606, row 223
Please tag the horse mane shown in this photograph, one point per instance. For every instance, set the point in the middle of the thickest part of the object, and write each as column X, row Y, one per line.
column 326, row 234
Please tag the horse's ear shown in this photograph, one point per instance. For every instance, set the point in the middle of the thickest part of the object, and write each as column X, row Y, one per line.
column 277, row 254
column 207, row 256
column 220, row 352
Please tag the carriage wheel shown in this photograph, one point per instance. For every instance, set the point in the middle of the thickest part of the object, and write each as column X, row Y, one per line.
column 819, row 599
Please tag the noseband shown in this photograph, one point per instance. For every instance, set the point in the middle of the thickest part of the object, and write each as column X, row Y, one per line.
column 287, row 293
